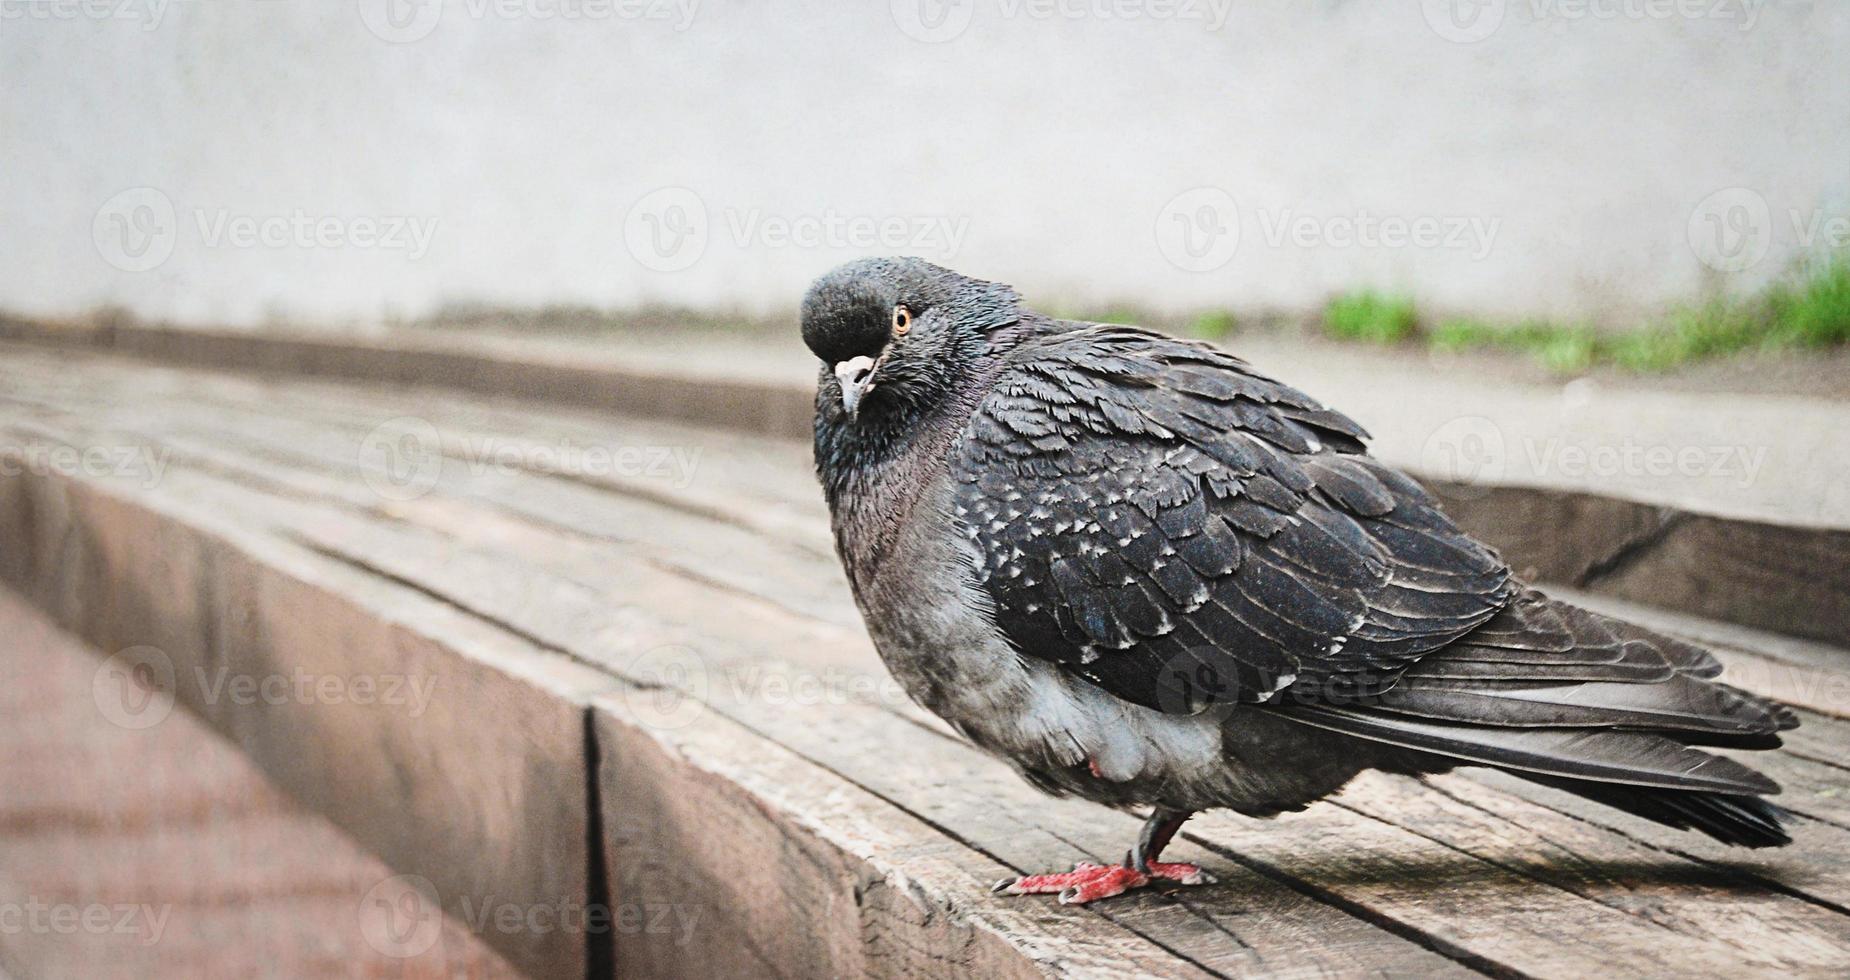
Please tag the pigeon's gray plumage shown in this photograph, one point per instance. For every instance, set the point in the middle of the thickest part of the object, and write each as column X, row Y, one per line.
column 1147, row 575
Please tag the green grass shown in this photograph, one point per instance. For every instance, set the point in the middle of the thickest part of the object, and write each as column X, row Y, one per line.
column 1562, row 348
column 1371, row 317
column 1815, row 312
column 1123, row 316
column 1214, row 325
column 1808, row 311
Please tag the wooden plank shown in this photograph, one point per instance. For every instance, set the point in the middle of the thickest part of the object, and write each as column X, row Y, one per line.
column 1473, row 909
column 203, row 867
column 798, row 872
column 818, row 734
column 527, row 567
column 1815, row 867
column 236, row 503
column 698, row 544
column 742, row 403
column 481, row 572
column 762, row 483
column 536, row 603
column 1762, row 927
column 221, row 602
column 1770, row 574
column 1792, row 579
column 622, row 619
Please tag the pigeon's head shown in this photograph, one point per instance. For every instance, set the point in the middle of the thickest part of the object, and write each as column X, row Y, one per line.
column 896, row 335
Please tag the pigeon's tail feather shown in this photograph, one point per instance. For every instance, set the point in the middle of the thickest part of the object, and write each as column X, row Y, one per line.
column 1741, row 820
column 1651, row 775
column 1597, row 754
column 1569, row 698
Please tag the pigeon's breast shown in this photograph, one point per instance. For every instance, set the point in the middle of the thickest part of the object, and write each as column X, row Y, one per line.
column 932, row 623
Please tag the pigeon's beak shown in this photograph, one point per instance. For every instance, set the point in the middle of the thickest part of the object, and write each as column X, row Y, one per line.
column 857, row 378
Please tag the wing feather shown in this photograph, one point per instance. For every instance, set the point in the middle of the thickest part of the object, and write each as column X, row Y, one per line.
column 1176, row 514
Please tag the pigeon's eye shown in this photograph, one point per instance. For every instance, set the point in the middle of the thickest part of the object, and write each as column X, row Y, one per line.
column 902, row 321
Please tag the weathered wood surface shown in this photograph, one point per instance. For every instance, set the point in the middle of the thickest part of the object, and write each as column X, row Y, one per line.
column 185, row 859
column 1766, row 545
column 758, row 772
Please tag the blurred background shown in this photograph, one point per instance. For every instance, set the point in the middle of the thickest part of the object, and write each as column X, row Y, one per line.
column 1575, row 162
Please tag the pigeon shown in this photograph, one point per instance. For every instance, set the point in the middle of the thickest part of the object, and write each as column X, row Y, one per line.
column 1143, row 573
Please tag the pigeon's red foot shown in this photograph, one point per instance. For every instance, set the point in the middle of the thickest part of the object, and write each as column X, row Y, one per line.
column 1089, row 882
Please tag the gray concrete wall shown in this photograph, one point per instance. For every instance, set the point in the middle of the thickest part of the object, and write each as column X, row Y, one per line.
column 244, row 160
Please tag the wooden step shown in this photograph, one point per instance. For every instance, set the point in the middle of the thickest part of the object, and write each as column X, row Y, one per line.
column 658, row 696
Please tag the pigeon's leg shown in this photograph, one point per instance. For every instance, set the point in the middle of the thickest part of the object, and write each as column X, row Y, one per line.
column 1158, row 831
column 1089, row 882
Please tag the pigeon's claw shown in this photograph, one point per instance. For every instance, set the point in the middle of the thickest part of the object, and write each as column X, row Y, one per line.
column 1091, row 882
column 1085, row 883
column 1180, row 873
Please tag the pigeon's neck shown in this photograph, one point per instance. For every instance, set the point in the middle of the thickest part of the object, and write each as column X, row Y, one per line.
column 874, row 478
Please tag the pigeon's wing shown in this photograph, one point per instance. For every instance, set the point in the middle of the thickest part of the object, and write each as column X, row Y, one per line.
column 1158, row 518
